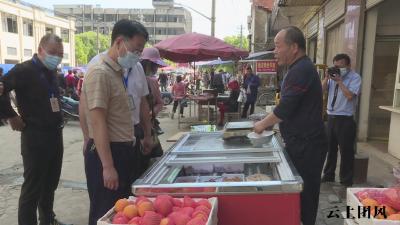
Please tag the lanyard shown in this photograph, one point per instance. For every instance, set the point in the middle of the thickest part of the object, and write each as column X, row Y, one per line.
column 126, row 79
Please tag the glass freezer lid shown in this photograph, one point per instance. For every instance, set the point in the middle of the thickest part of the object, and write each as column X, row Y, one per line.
column 201, row 143
column 248, row 157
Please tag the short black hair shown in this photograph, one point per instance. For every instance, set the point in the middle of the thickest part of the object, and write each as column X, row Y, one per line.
column 49, row 38
column 341, row 56
column 128, row 29
column 1, row 70
column 178, row 79
column 294, row 35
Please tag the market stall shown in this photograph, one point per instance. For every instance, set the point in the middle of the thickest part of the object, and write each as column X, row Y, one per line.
column 266, row 69
column 233, row 170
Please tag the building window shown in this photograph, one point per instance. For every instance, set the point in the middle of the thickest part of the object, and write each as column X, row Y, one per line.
column 79, row 30
column 10, row 23
column 27, row 52
column 148, row 18
column 65, row 56
column 28, row 27
column 88, row 28
column 161, row 18
column 11, row 61
column 109, row 17
column 11, row 51
column 88, row 17
column 49, row 30
column 65, row 35
column 123, row 16
column 172, row 18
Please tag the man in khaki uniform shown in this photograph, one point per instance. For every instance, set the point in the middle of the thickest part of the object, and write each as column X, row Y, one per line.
column 110, row 151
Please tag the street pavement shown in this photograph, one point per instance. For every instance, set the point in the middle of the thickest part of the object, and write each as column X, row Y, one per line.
column 71, row 200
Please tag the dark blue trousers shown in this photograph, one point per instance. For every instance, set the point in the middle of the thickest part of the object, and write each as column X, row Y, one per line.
column 101, row 198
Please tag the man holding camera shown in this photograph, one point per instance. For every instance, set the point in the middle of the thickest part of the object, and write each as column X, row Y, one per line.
column 343, row 86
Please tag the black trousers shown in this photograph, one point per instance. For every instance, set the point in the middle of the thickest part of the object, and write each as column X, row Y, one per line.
column 176, row 103
column 308, row 158
column 101, row 198
column 42, row 153
column 341, row 132
column 246, row 108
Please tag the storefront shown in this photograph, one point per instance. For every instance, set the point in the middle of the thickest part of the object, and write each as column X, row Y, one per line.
column 380, row 63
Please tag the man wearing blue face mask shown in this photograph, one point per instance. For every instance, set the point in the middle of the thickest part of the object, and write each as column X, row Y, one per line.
column 343, row 86
column 40, row 122
column 106, row 108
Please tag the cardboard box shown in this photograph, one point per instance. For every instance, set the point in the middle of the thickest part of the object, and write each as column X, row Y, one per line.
column 353, row 202
column 212, row 218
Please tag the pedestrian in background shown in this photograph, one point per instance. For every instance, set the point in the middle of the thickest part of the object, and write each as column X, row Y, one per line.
column 163, row 79
column 106, row 120
column 343, row 86
column 251, row 84
column 179, row 92
column 151, row 61
column 299, row 115
column 40, row 123
column 218, row 81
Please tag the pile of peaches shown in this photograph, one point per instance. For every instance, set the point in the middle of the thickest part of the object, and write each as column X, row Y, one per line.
column 164, row 210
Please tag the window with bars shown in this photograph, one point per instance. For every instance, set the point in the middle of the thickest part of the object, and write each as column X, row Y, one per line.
column 27, row 27
column 10, row 23
column 27, row 52
column 65, row 35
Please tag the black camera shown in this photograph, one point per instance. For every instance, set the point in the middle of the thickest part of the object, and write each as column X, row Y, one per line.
column 333, row 71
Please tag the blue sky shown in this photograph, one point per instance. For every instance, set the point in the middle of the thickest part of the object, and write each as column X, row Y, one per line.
column 230, row 14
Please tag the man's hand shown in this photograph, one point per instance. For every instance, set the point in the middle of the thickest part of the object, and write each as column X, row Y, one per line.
column 110, row 178
column 85, row 142
column 259, row 127
column 1, row 88
column 17, row 123
column 337, row 78
column 147, row 143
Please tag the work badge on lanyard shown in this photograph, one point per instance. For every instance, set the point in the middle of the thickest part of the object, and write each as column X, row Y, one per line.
column 55, row 107
column 132, row 106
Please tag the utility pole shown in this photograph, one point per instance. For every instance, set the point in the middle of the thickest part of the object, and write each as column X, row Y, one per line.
column 213, row 18
column 241, row 36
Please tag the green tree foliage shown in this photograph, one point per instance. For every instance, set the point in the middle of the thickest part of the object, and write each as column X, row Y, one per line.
column 235, row 41
column 86, row 46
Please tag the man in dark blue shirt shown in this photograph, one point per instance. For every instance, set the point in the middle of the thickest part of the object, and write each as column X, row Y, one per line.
column 299, row 115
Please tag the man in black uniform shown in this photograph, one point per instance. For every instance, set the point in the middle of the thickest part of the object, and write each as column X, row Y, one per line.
column 40, row 122
column 299, row 115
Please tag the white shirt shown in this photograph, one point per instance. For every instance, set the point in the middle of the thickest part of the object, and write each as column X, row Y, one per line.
column 137, row 88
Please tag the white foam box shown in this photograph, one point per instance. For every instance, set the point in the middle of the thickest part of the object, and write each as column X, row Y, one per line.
column 212, row 218
column 353, row 202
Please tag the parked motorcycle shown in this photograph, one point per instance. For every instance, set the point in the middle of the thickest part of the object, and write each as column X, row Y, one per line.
column 69, row 108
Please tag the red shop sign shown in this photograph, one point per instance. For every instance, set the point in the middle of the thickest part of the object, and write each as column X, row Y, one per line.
column 266, row 66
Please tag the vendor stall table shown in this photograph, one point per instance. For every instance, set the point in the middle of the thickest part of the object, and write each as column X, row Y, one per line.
column 195, row 105
column 254, row 185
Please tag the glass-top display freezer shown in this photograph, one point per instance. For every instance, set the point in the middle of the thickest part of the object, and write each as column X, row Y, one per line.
column 204, row 163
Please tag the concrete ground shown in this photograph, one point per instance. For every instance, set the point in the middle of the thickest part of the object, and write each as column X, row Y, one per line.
column 71, row 200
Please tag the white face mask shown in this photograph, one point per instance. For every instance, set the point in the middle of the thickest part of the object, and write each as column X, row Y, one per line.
column 130, row 59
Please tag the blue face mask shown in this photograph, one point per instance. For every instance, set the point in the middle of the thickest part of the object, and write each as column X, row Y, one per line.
column 343, row 71
column 130, row 59
column 51, row 61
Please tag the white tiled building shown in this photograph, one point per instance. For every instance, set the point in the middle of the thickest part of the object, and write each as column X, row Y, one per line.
column 23, row 25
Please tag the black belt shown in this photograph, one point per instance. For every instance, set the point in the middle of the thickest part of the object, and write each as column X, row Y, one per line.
column 339, row 117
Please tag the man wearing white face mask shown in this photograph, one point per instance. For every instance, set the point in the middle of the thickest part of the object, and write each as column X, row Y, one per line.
column 343, row 86
column 111, row 162
column 40, row 122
